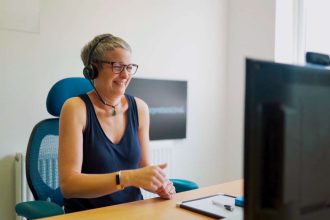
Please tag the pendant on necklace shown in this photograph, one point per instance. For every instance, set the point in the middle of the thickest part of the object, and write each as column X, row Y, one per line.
column 114, row 112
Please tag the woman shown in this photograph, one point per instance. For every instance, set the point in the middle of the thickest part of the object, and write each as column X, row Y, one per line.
column 104, row 135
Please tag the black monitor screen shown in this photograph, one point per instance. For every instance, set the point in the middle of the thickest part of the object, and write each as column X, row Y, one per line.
column 287, row 142
column 167, row 101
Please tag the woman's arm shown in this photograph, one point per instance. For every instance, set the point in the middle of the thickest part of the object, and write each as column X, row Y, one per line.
column 143, row 132
column 166, row 190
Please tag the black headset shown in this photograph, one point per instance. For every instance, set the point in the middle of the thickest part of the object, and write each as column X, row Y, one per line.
column 90, row 71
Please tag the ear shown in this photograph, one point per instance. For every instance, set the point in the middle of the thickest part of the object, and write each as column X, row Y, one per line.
column 95, row 71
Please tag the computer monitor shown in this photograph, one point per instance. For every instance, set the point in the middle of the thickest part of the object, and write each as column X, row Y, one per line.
column 286, row 142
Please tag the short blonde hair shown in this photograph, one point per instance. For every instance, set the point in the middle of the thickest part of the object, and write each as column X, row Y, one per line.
column 107, row 44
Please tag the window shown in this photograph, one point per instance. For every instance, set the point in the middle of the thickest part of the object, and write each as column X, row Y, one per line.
column 301, row 26
column 317, row 32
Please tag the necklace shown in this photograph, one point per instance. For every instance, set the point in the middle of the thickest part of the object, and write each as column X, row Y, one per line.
column 107, row 104
column 113, row 108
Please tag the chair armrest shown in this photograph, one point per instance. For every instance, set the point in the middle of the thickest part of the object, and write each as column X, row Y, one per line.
column 38, row 209
column 182, row 185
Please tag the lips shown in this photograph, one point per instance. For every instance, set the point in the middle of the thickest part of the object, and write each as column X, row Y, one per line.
column 120, row 83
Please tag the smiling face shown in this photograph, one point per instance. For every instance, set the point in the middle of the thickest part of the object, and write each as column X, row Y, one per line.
column 114, row 83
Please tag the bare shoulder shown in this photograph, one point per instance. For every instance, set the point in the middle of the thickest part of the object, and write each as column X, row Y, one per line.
column 142, row 106
column 74, row 109
column 143, row 112
column 75, row 104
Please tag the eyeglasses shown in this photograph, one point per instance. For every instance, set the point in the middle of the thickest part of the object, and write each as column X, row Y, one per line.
column 118, row 68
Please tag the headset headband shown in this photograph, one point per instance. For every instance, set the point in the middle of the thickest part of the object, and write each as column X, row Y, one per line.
column 91, row 52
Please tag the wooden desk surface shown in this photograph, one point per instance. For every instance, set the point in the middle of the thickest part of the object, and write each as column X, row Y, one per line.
column 155, row 208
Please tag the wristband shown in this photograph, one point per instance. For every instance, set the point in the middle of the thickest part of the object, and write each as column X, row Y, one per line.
column 118, row 181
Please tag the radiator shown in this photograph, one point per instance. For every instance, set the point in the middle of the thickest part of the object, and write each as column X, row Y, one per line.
column 23, row 193
column 22, row 190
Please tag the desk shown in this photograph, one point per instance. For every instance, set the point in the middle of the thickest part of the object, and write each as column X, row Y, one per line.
column 155, row 208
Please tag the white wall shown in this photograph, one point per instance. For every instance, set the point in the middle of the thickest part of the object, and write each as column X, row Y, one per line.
column 251, row 34
column 171, row 39
column 201, row 41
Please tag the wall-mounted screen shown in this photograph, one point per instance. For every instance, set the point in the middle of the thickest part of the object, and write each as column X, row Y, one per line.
column 167, row 101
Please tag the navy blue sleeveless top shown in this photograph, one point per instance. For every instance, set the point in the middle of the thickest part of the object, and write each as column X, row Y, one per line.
column 100, row 156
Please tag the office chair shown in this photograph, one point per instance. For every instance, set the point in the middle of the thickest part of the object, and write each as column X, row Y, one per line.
column 41, row 155
column 42, row 150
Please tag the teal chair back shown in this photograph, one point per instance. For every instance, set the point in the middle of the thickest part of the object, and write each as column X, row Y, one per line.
column 42, row 154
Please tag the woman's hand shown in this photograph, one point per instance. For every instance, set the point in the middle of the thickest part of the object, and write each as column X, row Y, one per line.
column 150, row 178
column 166, row 191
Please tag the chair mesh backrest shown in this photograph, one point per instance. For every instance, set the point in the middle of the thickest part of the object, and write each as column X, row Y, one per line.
column 47, row 161
column 42, row 162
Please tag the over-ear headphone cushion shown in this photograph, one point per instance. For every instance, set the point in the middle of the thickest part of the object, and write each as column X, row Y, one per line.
column 90, row 72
